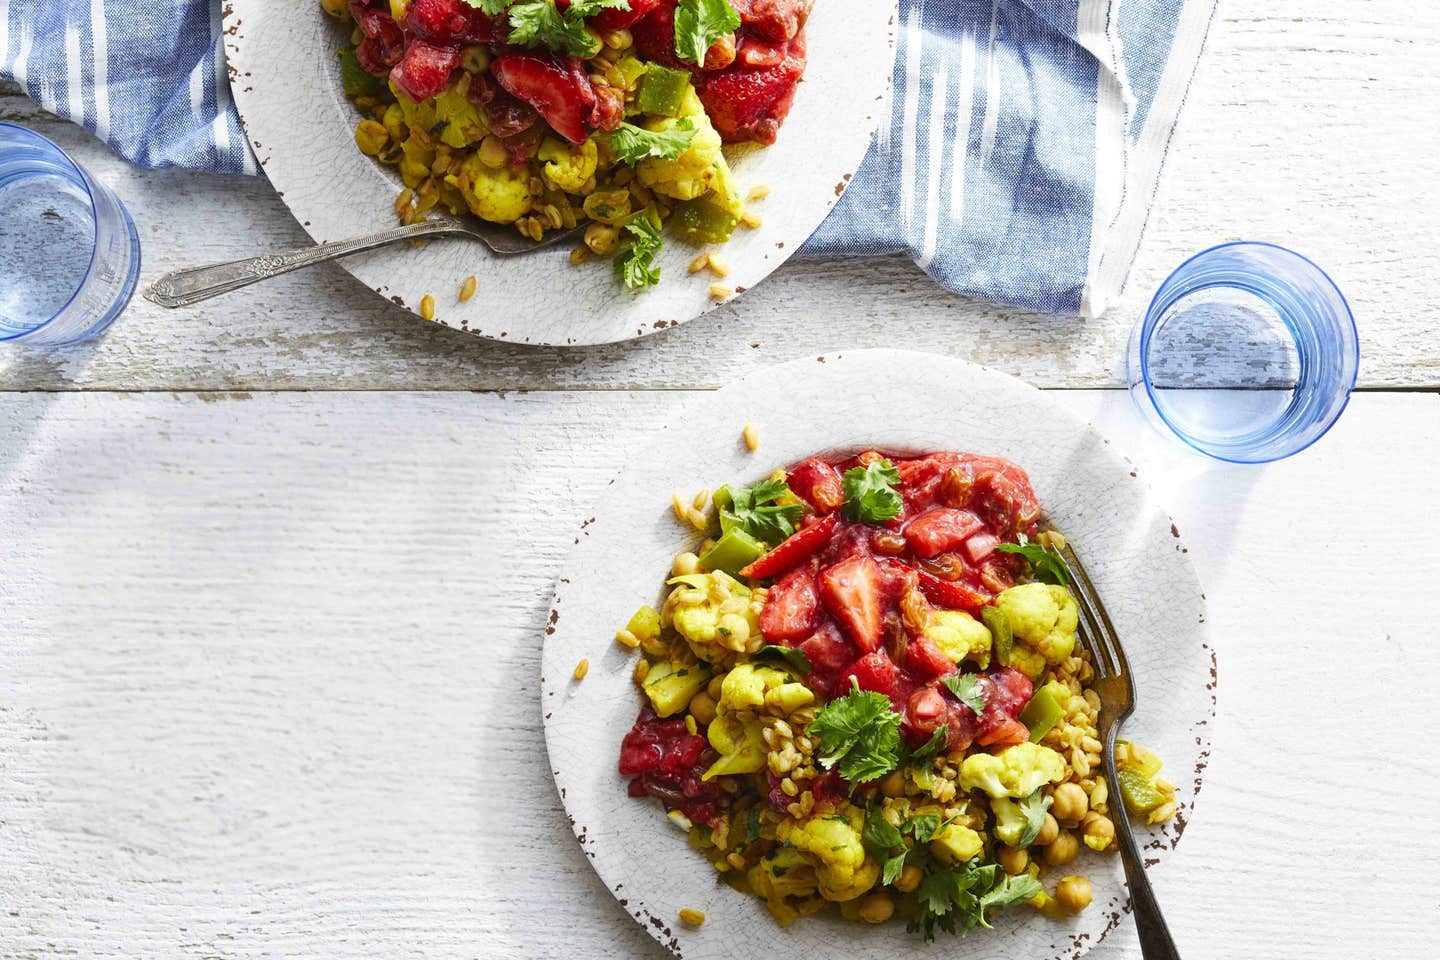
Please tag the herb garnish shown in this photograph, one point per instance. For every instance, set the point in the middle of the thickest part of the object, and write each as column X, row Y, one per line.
column 870, row 495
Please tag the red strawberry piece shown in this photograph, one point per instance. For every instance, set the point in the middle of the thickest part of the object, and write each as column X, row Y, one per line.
column 926, row 710
column 1005, row 500
column 452, row 22
column 952, row 594
column 980, row 546
column 749, row 104
column 790, row 607
column 1012, row 690
column 874, row 671
column 755, row 52
column 799, row 547
column 940, row 530
column 655, row 35
column 616, row 19
column 774, row 19
column 818, row 484
column 1005, row 733
column 850, row 591
column 926, row 661
column 558, row 88
column 384, row 43
column 828, row 651
column 426, row 70
column 609, row 110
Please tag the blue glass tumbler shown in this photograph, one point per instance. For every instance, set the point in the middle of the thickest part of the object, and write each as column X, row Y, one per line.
column 1248, row 353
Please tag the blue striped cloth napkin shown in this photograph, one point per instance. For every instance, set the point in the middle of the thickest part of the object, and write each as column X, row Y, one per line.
column 1024, row 147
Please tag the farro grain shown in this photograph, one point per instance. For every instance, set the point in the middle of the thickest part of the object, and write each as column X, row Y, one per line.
column 699, row 263
column 627, row 639
column 751, row 433
column 719, row 291
column 582, row 668
column 427, row 307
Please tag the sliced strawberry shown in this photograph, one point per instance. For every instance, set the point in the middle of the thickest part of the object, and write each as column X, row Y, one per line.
column 817, row 483
column 1004, row 499
column 615, row 18
column 800, row 546
column 755, row 52
column 952, row 594
column 774, row 19
column 655, row 34
column 874, row 671
column 926, row 661
column 850, row 591
column 558, row 88
column 384, row 42
column 452, row 22
column 828, row 651
column 940, row 530
column 749, row 104
column 426, row 70
column 790, row 607
column 1012, row 690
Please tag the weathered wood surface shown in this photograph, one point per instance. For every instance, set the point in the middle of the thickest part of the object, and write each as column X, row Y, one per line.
column 1306, row 127
column 268, row 678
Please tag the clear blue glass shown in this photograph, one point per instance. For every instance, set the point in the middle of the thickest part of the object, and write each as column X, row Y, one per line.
column 69, row 250
column 1248, row 353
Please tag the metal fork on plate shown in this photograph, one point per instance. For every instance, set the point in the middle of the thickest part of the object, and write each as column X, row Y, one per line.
column 1116, row 690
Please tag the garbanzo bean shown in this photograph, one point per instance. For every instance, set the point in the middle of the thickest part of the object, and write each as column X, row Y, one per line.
column 702, row 708
column 1049, row 830
column 1012, row 861
column 492, row 152
column 894, row 784
column 1073, row 893
column 601, row 238
column 909, row 878
column 1064, row 849
column 1070, row 802
column 371, row 137
column 715, row 686
column 1099, row 832
column 876, row 908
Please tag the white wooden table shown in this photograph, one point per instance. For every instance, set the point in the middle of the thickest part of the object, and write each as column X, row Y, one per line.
column 274, row 571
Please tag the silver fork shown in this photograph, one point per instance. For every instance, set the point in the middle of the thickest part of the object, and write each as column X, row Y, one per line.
column 193, row 284
column 1116, row 690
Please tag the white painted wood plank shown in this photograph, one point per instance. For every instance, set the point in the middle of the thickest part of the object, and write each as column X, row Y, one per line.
column 1303, row 127
column 267, row 677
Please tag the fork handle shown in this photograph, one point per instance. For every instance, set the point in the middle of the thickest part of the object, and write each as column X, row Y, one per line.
column 1155, row 942
column 194, row 284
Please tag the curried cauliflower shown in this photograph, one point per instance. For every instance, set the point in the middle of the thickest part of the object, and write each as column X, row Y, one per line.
column 569, row 166
column 781, row 876
column 1043, row 618
column 959, row 636
column 1010, row 819
column 1014, row 772
column 697, row 171
column 832, row 843
column 739, row 743
column 500, row 196
column 448, row 116
column 715, row 615
column 749, row 687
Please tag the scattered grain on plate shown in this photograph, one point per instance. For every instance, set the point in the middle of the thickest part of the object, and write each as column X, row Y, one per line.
column 627, row 639
column 467, row 289
column 750, row 220
column 758, row 192
column 692, row 917
column 681, row 508
column 718, row 266
column 700, row 263
column 427, row 307
column 698, row 501
column 751, row 433
column 719, row 291
column 582, row 668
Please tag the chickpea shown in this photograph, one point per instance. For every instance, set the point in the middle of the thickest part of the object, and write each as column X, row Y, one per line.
column 492, row 152
column 1073, row 893
column 1049, row 830
column 876, row 908
column 1070, row 802
column 371, row 137
column 1099, row 832
column 1012, row 860
column 702, row 708
column 601, row 238
column 685, row 564
column 714, row 688
column 909, row 878
column 1063, row 850
column 894, row 784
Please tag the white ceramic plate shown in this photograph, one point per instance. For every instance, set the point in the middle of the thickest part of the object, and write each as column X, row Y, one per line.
column 285, row 79
column 900, row 401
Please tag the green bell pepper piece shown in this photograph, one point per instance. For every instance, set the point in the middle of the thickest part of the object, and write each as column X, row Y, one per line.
column 1042, row 712
column 353, row 78
column 702, row 221
column 998, row 622
column 733, row 551
column 723, row 501
column 1138, row 791
column 662, row 90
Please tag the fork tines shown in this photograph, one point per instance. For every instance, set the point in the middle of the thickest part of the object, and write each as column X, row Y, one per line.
column 1096, row 630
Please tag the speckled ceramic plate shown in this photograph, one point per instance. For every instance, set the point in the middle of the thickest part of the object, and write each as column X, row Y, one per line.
column 285, row 79
column 905, row 402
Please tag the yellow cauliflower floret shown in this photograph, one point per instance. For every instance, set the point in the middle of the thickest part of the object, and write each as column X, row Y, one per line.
column 959, row 636
column 670, row 686
column 832, row 842
column 569, row 166
column 739, row 743
column 500, row 196
column 448, row 116
column 712, row 611
column 1043, row 618
column 749, row 685
column 695, row 171
column 781, row 875
column 1015, row 772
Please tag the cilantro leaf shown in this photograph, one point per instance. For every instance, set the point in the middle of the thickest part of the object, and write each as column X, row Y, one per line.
column 1034, row 807
column 588, row 8
column 933, row 746
column 794, row 657
column 539, row 23
column 967, row 690
column 635, row 265
column 755, row 511
column 1008, row 892
column 878, row 835
column 1049, row 565
column 892, row 868
column 870, row 495
column 922, row 826
column 698, row 23
column 957, row 899
column 859, row 735
column 752, row 824
column 631, row 144
column 491, row 7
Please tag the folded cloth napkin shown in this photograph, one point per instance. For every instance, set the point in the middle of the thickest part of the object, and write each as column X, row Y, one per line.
column 1022, row 154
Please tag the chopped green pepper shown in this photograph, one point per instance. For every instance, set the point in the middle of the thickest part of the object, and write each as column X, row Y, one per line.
column 1138, row 791
column 1044, row 710
column 662, row 90
column 353, row 78
column 1001, row 634
column 701, row 221
column 734, row 550
column 645, row 624
column 723, row 500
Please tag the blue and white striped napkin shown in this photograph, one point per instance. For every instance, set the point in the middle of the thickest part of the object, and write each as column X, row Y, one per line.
column 1024, row 148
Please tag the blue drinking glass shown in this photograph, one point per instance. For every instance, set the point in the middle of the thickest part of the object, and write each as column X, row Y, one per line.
column 69, row 250
column 1248, row 353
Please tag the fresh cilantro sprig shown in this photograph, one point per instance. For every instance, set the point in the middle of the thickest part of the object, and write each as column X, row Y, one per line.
column 885, row 842
column 491, row 7
column 859, row 735
column 636, row 263
column 756, row 511
column 631, row 144
column 793, row 657
column 870, row 495
column 967, row 690
column 957, row 899
column 932, row 747
column 1047, row 562
column 699, row 23
column 540, row 23
column 1033, row 807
